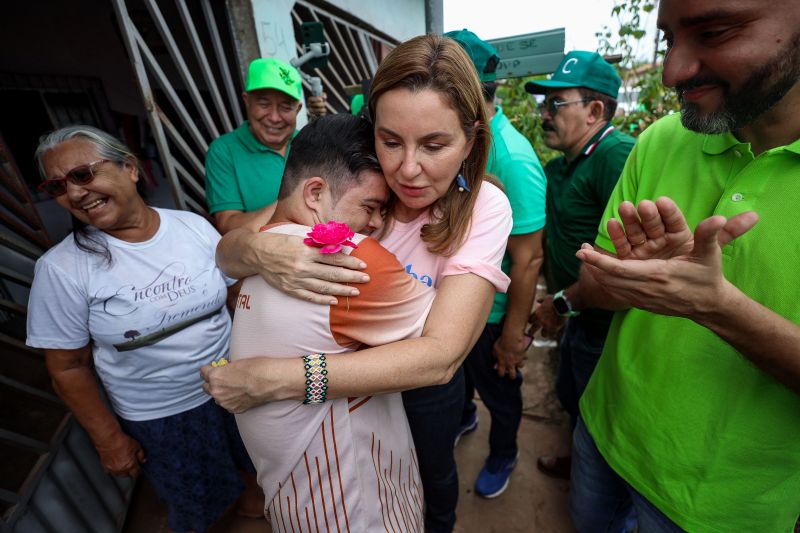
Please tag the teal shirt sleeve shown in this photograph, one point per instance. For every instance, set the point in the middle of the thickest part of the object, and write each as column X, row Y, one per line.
column 525, row 185
column 222, row 189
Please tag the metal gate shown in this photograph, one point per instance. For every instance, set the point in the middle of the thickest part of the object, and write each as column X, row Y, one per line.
column 356, row 50
column 191, row 93
column 191, row 89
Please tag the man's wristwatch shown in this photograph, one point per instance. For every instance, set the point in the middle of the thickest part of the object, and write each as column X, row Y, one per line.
column 563, row 305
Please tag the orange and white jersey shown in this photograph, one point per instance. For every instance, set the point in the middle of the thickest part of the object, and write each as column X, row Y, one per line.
column 348, row 464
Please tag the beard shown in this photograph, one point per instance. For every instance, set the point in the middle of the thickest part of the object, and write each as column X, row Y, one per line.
column 764, row 88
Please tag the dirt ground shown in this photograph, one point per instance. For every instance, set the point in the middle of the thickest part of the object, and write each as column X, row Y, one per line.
column 532, row 502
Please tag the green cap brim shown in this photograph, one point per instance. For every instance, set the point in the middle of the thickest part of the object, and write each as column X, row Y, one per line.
column 541, row 87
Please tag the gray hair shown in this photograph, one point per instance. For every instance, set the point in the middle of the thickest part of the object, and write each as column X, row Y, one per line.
column 107, row 146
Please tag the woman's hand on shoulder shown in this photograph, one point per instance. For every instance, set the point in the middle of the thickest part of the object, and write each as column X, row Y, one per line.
column 291, row 266
column 121, row 455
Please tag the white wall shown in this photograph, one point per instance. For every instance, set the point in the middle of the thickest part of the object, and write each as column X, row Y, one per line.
column 402, row 19
column 272, row 19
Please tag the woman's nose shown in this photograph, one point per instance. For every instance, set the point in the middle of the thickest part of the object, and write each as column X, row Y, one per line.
column 410, row 166
column 75, row 192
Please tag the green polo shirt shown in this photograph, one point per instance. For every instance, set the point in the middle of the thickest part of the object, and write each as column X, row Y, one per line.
column 241, row 173
column 513, row 161
column 577, row 194
column 691, row 424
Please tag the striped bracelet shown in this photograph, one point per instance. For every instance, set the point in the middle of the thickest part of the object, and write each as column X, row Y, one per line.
column 316, row 378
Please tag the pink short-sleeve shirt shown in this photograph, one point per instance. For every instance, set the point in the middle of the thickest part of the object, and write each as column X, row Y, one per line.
column 480, row 254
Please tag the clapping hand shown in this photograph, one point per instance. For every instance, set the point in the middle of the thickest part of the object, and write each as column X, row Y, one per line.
column 661, row 266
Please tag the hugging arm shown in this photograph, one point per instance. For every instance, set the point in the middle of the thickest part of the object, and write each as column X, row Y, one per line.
column 289, row 265
column 456, row 319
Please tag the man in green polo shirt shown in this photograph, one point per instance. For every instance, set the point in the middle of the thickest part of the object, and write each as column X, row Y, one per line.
column 580, row 100
column 491, row 366
column 244, row 167
column 693, row 414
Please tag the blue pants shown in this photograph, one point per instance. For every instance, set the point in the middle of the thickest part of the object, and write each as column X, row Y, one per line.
column 601, row 501
column 581, row 347
column 502, row 396
column 434, row 414
column 193, row 463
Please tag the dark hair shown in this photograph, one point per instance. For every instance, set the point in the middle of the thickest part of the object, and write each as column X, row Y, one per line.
column 609, row 103
column 107, row 147
column 334, row 147
column 489, row 90
column 440, row 64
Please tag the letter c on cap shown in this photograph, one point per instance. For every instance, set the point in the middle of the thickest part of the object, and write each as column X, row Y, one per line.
column 564, row 69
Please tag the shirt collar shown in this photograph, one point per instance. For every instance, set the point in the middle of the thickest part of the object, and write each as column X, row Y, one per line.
column 718, row 144
column 498, row 117
column 594, row 141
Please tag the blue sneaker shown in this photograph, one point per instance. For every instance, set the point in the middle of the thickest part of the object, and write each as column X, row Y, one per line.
column 493, row 479
column 467, row 427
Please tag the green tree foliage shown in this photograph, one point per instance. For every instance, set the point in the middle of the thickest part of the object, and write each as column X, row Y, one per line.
column 638, row 76
column 520, row 108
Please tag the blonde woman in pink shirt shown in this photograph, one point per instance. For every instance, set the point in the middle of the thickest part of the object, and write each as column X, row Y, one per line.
column 445, row 223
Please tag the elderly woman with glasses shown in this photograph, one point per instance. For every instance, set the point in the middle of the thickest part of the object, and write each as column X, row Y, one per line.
column 135, row 292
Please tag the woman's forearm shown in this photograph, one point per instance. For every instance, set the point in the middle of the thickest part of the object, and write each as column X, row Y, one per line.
column 455, row 322
column 78, row 388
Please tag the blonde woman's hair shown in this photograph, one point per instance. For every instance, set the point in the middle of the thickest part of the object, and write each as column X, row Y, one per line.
column 437, row 63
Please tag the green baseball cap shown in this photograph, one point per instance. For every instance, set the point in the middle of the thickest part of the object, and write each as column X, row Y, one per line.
column 271, row 73
column 580, row 69
column 482, row 54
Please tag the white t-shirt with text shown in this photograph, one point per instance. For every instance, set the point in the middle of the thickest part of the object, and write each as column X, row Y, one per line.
column 154, row 316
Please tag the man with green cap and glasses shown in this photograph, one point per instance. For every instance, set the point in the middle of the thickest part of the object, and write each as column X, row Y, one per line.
column 244, row 167
column 580, row 101
column 491, row 367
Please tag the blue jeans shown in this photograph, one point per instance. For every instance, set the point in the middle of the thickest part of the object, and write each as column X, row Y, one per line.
column 581, row 347
column 601, row 501
column 434, row 414
column 502, row 396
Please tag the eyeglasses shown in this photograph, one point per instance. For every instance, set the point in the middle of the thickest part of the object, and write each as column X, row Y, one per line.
column 82, row 175
column 552, row 105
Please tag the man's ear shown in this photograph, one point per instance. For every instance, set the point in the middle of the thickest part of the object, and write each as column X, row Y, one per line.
column 315, row 190
column 244, row 98
column 596, row 111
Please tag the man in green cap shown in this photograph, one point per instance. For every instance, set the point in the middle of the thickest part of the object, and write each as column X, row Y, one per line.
column 491, row 367
column 580, row 101
column 244, row 167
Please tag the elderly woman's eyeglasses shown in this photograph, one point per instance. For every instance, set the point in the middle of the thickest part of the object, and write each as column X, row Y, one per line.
column 552, row 105
column 82, row 175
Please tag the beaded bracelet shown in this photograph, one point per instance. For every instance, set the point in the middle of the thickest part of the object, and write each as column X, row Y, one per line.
column 316, row 378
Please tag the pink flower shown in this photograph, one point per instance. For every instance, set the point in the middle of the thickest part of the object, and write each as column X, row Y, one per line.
column 330, row 237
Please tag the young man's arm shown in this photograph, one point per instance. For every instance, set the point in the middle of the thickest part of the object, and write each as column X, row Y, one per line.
column 231, row 219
